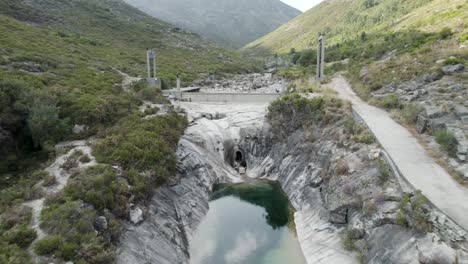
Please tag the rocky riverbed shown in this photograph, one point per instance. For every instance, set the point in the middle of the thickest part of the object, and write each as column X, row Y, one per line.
column 245, row 83
column 332, row 181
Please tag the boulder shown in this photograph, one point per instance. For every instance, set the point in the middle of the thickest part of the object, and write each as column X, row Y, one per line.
column 389, row 88
column 432, row 111
column 463, row 171
column 78, row 129
column 101, row 223
column 435, row 252
column 421, row 124
column 339, row 215
column 460, row 110
column 440, row 123
column 136, row 215
column 451, row 69
column 363, row 73
column 455, row 87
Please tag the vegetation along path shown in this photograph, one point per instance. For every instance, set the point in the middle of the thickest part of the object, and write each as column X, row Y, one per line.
column 415, row 165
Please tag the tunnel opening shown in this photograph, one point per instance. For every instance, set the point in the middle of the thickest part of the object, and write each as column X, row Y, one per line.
column 239, row 157
column 240, row 163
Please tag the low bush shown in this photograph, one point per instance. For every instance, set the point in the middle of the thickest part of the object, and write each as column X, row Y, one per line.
column 390, row 101
column 47, row 245
column 412, row 214
column 453, row 61
column 292, row 112
column 151, row 110
column 73, row 236
column 348, row 242
column 49, row 181
column 447, row 141
column 19, row 215
column 145, row 145
column 12, row 254
column 99, row 186
column 384, row 172
column 21, row 236
column 445, row 33
column 410, row 112
column 85, row 159
column 308, row 57
column 342, row 167
column 365, row 137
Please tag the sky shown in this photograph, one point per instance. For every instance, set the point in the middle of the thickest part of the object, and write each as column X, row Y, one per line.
column 302, row 5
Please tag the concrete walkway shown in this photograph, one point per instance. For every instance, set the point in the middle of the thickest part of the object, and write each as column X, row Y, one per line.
column 419, row 169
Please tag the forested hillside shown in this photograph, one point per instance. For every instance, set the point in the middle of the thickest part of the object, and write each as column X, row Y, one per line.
column 345, row 20
column 60, row 63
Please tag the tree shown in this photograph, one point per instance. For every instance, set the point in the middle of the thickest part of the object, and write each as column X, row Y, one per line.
column 363, row 36
column 308, row 57
column 45, row 124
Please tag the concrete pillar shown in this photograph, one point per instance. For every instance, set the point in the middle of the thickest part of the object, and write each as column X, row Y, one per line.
column 178, row 93
column 321, row 58
column 151, row 63
column 151, row 68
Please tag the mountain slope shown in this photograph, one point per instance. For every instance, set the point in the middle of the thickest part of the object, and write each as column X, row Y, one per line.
column 232, row 23
column 346, row 20
column 69, row 55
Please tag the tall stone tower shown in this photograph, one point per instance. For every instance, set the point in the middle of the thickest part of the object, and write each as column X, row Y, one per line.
column 321, row 57
column 151, row 65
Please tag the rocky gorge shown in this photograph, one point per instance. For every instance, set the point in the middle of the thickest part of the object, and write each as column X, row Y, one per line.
column 350, row 207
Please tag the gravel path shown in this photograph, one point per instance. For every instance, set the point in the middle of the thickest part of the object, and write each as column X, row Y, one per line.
column 416, row 166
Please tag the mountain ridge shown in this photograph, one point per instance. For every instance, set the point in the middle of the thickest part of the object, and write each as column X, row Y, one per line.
column 228, row 22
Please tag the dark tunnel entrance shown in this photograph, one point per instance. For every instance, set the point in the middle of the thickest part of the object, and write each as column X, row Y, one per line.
column 240, row 163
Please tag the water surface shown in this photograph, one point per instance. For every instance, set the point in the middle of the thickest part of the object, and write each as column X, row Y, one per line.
column 248, row 223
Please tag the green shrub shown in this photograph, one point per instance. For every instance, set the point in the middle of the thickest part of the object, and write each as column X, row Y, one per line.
column 348, row 242
column 12, row 254
column 292, row 112
column 384, row 172
column 145, row 145
column 22, row 236
column 453, row 61
column 366, row 138
column 151, row 110
column 68, row 251
column 342, row 167
column 308, row 57
column 47, row 245
column 447, row 141
column 401, row 219
column 141, row 183
column 152, row 94
column 390, row 101
column 410, row 112
column 19, row 215
column 445, row 33
column 46, row 125
column 85, row 159
column 99, row 186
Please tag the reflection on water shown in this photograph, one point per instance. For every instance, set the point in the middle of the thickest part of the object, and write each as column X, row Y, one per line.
column 247, row 223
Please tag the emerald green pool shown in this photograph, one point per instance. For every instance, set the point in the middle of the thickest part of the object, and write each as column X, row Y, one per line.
column 248, row 223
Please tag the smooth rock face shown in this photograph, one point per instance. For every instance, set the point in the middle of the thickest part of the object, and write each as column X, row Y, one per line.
column 327, row 205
